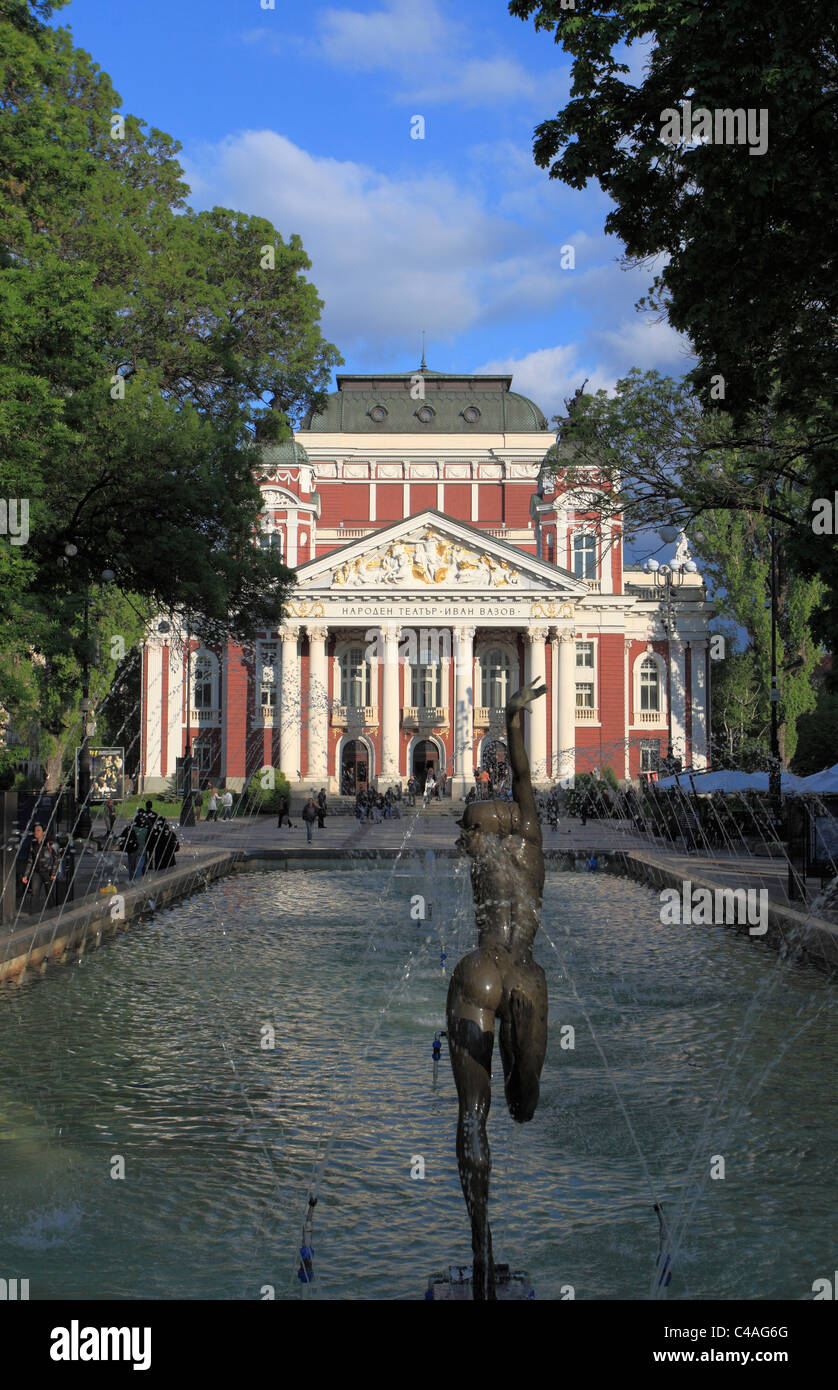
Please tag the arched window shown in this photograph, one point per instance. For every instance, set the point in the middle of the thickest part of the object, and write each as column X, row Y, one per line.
column 354, row 678
column 204, row 681
column 650, row 685
column 495, row 668
column 584, row 556
column 426, row 684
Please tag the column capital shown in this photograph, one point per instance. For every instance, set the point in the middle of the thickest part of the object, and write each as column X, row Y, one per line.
column 391, row 632
column 463, row 634
column 537, row 633
column 317, row 632
column 289, row 632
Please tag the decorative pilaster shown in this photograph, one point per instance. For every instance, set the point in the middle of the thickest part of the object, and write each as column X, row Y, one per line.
column 289, row 703
column 318, row 703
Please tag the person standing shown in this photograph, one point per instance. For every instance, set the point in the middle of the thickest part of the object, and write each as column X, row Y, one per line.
column 361, row 805
column 309, row 817
column 411, row 790
column 227, row 805
column 197, row 802
column 212, row 807
column 321, row 809
column 430, row 786
column 284, row 808
column 110, row 812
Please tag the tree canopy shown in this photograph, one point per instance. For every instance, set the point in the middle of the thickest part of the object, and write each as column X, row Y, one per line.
column 746, row 241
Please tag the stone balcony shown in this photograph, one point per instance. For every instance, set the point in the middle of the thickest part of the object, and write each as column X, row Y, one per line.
column 354, row 716
column 489, row 717
column 654, row 717
column 587, row 714
column 424, row 717
column 204, row 718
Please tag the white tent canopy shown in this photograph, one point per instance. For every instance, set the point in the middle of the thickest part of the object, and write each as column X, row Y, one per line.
column 731, row 781
column 824, row 783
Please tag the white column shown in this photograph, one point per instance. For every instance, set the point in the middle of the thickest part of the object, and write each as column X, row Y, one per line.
column 390, row 706
column 318, row 697
column 626, row 705
column 289, row 704
column 291, row 519
column 537, row 719
column 554, row 711
column 699, row 703
column 463, row 710
column 566, row 643
column 154, row 710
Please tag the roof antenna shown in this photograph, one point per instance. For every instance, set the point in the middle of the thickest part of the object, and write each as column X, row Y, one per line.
column 424, row 366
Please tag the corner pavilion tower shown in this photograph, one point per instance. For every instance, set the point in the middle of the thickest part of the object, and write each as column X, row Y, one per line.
column 437, row 570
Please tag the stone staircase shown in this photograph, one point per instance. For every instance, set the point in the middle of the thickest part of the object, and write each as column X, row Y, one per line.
column 345, row 806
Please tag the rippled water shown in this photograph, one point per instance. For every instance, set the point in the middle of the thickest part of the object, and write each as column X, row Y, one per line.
column 695, row 1041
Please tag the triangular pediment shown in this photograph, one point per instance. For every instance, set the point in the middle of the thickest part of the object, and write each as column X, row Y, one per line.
column 431, row 551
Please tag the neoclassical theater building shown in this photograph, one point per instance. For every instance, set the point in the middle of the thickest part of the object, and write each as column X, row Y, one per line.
column 439, row 565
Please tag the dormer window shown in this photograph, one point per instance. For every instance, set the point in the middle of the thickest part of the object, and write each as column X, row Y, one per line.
column 378, row 413
column 425, row 413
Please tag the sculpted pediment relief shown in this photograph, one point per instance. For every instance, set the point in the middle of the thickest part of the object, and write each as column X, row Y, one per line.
column 431, row 558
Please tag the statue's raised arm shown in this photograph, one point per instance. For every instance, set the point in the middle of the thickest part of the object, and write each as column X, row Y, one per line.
column 522, row 792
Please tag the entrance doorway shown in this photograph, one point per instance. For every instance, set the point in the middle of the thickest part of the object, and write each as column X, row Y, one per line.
column 425, row 759
column 354, row 767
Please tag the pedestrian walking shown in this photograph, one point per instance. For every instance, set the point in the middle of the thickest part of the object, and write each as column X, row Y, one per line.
column 197, row 802
column 284, row 809
column 110, row 812
column 430, row 786
column 411, row 790
column 322, row 811
column 227, row 805
column 212, row 806
column 38, row 870
column 309, row 817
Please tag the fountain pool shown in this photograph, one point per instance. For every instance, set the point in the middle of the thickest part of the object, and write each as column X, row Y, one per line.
column 691, row 1044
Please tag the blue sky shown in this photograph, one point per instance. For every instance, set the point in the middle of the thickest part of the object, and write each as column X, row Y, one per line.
column 303, row 113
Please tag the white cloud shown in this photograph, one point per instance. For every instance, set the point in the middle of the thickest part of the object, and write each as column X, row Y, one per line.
column 427, row 55
column 549, row 376
column 389, row 256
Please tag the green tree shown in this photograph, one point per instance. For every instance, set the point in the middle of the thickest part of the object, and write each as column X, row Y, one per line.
column 750, row 269
column 661, row 458
column 145, row 351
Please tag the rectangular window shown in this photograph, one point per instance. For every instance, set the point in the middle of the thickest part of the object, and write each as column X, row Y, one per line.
column 584, row 695
column 650, row 755
column 584, row 557
column 585, row 654
column 267, row 675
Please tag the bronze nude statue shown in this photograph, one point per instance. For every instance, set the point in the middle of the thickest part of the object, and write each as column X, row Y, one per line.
column 498, row 979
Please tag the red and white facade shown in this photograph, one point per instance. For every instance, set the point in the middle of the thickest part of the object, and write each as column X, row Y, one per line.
column 434, row 576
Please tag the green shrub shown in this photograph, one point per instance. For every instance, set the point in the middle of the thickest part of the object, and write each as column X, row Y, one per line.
column 258, row 799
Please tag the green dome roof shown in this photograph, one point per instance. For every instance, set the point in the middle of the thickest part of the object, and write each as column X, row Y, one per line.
column 289, row 451
column 451, row 404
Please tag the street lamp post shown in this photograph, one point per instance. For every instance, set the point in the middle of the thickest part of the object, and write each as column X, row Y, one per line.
column 82, row 825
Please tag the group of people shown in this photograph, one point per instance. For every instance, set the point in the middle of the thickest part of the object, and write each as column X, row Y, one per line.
column 376, row 806
column 219, row 805
column 148, row 842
